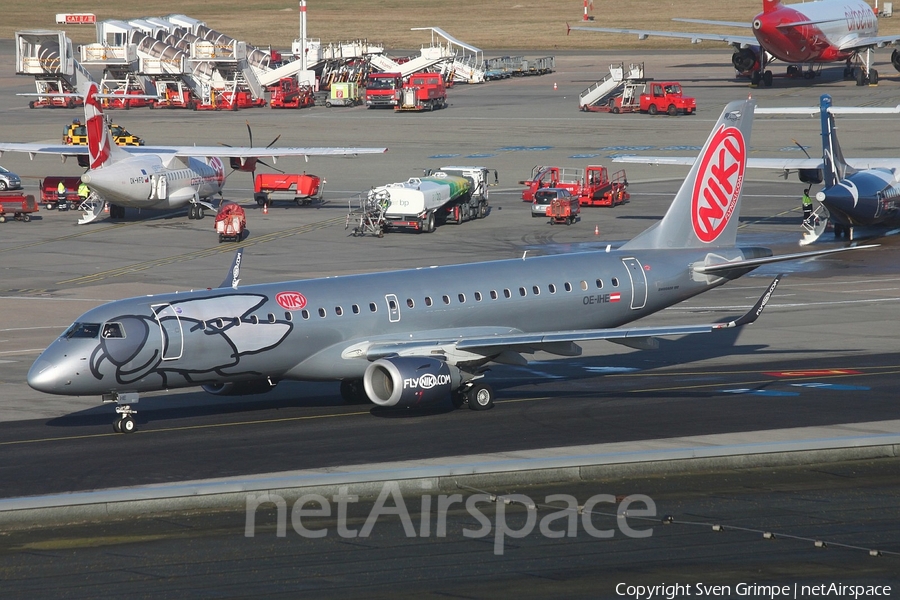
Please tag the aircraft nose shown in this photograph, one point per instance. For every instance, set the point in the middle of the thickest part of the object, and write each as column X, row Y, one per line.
column 43, row 376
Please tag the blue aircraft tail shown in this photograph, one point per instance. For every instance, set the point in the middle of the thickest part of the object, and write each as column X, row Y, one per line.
column 835, row 168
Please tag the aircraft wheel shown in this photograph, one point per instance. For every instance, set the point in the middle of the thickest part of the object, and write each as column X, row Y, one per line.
column 458, row 398
column 199, row 211
column 117, row 425
column 767, row 78
column 860, row 77
column 755, row 78
column 873, row 77
column 480, row 396
column 127, row 424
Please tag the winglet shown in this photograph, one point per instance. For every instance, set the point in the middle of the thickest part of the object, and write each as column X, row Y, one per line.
column 234, row 273
column 757, row 309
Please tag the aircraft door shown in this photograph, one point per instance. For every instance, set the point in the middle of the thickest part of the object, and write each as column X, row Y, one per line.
column 162, row 186
column 638, row 282
column 172, row 336
column 393, row 308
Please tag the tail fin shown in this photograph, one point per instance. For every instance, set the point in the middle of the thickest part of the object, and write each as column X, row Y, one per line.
column 101, row 148
column 705, row 210
column 771, row 5
column 836, row 168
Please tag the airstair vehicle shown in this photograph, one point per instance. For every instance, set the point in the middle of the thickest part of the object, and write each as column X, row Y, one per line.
column 610, row 84
column 49, row 57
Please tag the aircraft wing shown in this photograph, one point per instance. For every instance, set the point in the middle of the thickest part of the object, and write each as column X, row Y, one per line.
column 254, row 152
column 195, row 151
column 555, row 342
column 778, row 164
column 738, row 40
column 38, row 148
column 861, row 43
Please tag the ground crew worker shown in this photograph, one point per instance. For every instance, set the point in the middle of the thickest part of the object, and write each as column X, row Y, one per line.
column 61, row 196
column 807, row 205
column 83, row 191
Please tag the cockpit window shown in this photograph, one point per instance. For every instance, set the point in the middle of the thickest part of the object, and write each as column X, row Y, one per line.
column 113, row 330
column 82, row 330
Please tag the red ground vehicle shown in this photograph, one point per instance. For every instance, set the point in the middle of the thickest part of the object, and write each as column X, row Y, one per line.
column 17, row 204
column 230, row 222
column 302, row 189
column 287, row 93
column 592, row 186
column 564, row 210
column 381, row 89
column 49, row 196
column 230, row 101
column 666, row 97
column 125, row 102
column 422, row 91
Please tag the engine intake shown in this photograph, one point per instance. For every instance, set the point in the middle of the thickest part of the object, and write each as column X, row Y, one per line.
column 745, row 60
column 239, row 388
column 408, row 381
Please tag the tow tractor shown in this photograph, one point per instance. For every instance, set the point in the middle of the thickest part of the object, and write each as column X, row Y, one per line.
column 664, row 97
column 592, row 185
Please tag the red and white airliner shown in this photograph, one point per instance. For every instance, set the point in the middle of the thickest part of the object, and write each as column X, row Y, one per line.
column 805, row 36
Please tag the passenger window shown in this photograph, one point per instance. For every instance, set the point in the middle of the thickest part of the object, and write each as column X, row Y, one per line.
column 355, row 308
column 410, row 303
column 372, row 307
column 568, row 287
column 288, row 316
column 507, row 293
column 392, row 304
column 584, row 285
column 615, row 281
column 477, row 296
column 493, row 294
column 552, row 288
column 338, row 311
column 446, row 299
column 271, row 318
column 462, row 298
column 522, row 292
column 322, row 312
column 536, row 290
column 599, row 284
column 428, row 301
column 304, row 313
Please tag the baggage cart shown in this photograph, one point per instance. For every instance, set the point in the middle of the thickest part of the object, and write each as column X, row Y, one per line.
column 230, row 222
column 19, row 205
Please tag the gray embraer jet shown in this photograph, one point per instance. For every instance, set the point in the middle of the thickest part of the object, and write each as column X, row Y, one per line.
column 414, row 337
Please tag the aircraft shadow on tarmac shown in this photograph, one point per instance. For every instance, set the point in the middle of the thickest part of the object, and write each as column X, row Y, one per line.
column 292, row 395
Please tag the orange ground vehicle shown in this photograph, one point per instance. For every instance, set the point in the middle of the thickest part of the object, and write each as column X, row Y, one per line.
column 302, row 188
column 230, row 222
column 564, row 210
column 592, row 185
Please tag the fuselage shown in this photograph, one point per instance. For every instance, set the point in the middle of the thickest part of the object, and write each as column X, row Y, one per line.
column 822, row 28
column 307, row 329
column 156, row 181
column 869, row 198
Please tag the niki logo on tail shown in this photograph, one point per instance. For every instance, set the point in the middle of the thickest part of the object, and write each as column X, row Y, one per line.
column 718, row 184
column 98, row 137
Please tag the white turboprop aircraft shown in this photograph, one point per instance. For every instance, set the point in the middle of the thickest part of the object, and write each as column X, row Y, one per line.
column 161, row 177
column 805, row 34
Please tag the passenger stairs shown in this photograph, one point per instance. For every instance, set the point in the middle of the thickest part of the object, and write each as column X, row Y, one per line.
column 610, row 84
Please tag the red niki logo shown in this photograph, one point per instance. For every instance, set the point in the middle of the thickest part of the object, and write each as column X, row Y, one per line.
column 718, row 184
column 98, row 141
column 290, row 300
column 216, row 163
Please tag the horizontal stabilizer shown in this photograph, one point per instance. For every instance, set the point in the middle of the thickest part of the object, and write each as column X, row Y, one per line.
column 755, row 262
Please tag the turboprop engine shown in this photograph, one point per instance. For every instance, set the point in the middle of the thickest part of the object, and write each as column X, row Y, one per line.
column 407, row 381
column 239, row 388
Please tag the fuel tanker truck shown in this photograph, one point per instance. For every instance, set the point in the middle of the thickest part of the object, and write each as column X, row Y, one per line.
column 423, row 203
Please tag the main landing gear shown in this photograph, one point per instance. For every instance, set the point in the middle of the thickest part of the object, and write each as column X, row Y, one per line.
column 195, row 211
column 478, row 395
column 124, row 421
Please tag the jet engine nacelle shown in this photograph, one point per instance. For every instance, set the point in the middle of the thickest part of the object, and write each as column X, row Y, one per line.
column 746, row 60
column 810, row 175
column 407, row 381
column 239, row 388
column 895, row 59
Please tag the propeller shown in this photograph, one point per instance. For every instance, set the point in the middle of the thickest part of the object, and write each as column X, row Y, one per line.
column 249, row 164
